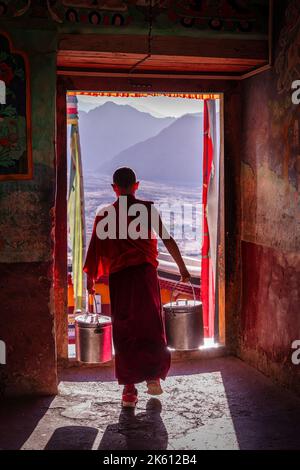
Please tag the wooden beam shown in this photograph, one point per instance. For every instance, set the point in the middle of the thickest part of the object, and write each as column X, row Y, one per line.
column 71, row 57
column 219, row 48
column 154, row 67
column 178, row 76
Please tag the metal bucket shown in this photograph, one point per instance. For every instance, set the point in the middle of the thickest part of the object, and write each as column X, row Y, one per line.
column 93, row 334
column 184, row 324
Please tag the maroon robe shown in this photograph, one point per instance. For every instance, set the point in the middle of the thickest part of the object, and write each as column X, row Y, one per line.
column 139, row 339
column 141, row 351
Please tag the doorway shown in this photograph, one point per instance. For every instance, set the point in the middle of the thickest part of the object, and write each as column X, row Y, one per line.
column 215, row 311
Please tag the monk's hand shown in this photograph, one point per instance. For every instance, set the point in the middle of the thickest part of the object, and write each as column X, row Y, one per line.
column 185, row 275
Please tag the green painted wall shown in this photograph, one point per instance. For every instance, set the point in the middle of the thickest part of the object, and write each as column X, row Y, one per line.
column 26, row 247
column 25, row 206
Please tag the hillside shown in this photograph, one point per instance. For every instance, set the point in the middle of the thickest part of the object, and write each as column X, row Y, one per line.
column 174, row 155
column 108, row 129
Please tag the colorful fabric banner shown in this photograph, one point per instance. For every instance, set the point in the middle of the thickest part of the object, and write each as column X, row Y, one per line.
column 76, row 214
column 124, row 94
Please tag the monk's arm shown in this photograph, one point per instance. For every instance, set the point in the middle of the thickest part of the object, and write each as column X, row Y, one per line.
column 170, row 244
column 173, row 249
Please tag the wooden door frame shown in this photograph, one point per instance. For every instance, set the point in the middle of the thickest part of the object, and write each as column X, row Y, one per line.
column 71, row 83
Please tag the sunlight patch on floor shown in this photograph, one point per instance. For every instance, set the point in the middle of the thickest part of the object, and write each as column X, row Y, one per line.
column 193, row 413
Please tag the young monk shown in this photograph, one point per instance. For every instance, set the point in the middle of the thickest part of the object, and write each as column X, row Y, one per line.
column 124, row 247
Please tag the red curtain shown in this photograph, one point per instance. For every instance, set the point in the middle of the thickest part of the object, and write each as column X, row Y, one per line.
column 207, row 277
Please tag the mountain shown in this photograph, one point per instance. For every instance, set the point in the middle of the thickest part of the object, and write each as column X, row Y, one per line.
column 174, row 155
column 110, row 128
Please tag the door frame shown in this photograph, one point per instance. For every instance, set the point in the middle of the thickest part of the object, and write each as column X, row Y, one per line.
column 81, row 82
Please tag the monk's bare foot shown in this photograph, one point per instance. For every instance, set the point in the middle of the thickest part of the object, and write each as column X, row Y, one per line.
column 154, row 387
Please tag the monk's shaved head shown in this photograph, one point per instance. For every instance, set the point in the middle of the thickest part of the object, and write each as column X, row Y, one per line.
column 124, row 177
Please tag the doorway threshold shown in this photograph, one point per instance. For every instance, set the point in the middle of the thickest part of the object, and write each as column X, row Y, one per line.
column 204, row 352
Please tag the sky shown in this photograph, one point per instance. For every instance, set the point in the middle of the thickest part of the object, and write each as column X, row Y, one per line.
column 158, row 106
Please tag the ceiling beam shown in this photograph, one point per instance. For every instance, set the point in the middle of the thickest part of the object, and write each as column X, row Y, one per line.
column 217, row 49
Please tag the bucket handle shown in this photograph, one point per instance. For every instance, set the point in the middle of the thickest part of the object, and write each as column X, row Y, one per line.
column 96, row 311
column 172, row 291
column 95, row 306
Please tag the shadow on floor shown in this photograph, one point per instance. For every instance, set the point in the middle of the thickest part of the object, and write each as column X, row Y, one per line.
column 137, row 431
column 264, row 415
column 19, row 418
column 72, row 438
column 132, row 432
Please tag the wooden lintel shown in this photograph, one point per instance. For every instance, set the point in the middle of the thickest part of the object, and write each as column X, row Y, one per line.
column 219, row 48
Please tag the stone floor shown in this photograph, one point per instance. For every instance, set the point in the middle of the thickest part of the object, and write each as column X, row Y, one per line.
column 217, row 403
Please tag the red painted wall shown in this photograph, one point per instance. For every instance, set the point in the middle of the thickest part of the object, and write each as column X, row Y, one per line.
column 270, row 183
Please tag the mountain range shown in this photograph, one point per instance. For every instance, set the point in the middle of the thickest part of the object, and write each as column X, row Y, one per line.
column 174, row 155
column 110, row 128
column 158, row 149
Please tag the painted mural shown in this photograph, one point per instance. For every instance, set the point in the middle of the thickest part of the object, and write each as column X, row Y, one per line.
column 176, row 17
column 25, row 206
column 285, row 115
column 15, row 139
column 287, row 64
column 271, row 145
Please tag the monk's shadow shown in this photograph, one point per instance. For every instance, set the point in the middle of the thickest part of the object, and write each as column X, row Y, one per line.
column 142, row 431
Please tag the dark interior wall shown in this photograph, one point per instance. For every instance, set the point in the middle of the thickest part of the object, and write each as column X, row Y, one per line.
column 26, row 255
column 270, row 183
column 232, row 213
